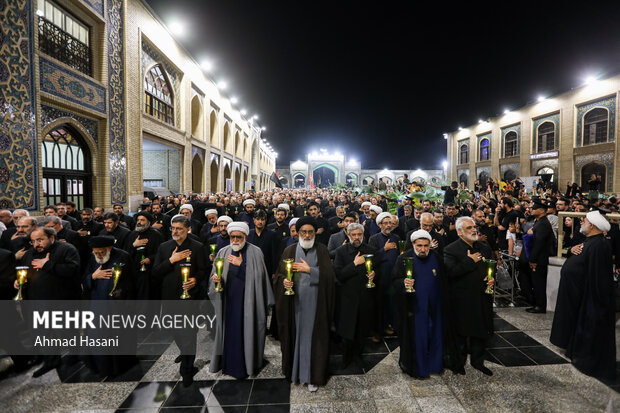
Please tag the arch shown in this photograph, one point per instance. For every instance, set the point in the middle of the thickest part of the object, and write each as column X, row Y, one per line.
column 464, row 153
column 238, row 146
column 352, row 179
column 387, row 180
column 227, row 145
column 66, row 164
column 483, row 177
column 299, row 180
column 238, row 178
column 197, row 174
column 596, row 168
column 245, row 149
column 213, row 129
column 197, row 124
column 510, row 144
column 464, row 179
column 254, row 163
column 324, row 175
column 158, row 97
column 595, row 126
column 546, row 173
column 546, row 136
column 245, row 177
column 485, row 150
column 215, row 170
column 369, row 180
column 284, row 181
column 227, row 175
column 418, row 179
column 509, row 175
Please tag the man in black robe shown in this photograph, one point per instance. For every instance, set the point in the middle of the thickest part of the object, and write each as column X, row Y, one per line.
column 471, row 308
column 61, row 209
column 584, row 319
column 88, row 226
column 161, row 221
column 112, row 227
column 181, row 249
column 358, row 304
column 281, row 229
column 264, row 239
column 322, row 232
column 209, row 228
column 304, row 319
column 124, row 220
column 142, row 245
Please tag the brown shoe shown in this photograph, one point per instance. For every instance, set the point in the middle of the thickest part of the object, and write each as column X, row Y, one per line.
column 376, row 338
column 389, row 331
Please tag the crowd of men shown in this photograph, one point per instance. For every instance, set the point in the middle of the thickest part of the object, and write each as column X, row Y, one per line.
column 331, row 268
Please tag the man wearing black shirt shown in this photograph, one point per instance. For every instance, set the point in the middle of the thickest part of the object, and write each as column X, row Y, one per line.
column 504, row 215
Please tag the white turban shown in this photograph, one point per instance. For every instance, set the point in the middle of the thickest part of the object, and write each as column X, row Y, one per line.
column 187, row 206
column 383, row 216
column 366, row 203
column 376, row 208
column 284, row 206
column 292, row 222
column 238, row 226
column 210, row 212
column 598, row 220
column 420, row 234
column 249, row 201
column 224, row 218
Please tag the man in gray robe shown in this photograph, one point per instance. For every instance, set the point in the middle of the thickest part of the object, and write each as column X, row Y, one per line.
column 241, row 309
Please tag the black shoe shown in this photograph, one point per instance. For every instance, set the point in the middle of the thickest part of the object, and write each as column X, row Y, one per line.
column 188, row 379
column 459, row 370
column 178, row 359
column 45, row 368
column 536, row 310
column 483, row 369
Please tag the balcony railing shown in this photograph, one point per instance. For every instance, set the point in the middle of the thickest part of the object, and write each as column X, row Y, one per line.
column 61, row 45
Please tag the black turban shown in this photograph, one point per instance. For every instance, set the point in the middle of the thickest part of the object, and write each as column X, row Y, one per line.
column 305, row 221
column 101, row 241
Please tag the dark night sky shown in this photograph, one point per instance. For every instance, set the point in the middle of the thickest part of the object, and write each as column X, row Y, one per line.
column 383, row 83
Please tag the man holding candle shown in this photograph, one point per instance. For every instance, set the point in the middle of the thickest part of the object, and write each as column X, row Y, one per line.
column 172, row 257
column 471, row 309
column 241, row 308
column 142, row 246
column 304, row 319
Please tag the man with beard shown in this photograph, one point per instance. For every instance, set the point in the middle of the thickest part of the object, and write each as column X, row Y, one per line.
column 247, row 215
column 221, row 239
column 486, row 233
column 20, row 240
column 53, row 274
column 293, row 231
column 88, row 226
column 336, row 222
column 450, row 223
column 584, row 319
column 370, row 225
column 187, row 210
column 438, row 242
column 51, row 210
column 402, row 220
column 386, row 245
column 161, row 221
column 98, row 283
column 112, row 227
column 72, row 211
column 322, row 232
column 504, row 215
column 438, row 225
column 421, row 313
column 209, row 229
column 534, row 263
column 265, row 240
column 142, row 245
column 281, row 229
column 340, row 237
column 241, row 309
column 471, row 309
column 413, row 223
column 124, row 220
column 171, row 255
column 98, row 214
column 65, row 235
column 358, row 304
column 61, row 209
column 304, row 319
column 365, row 211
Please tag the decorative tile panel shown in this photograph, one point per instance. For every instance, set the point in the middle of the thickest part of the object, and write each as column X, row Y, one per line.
column 49, row 114
column 18, row 129
column 514, row 128
column 67, row 84
column 606, row 159
column 555, row 118
column 116, row 117
column 96, row 5
column 609, row 104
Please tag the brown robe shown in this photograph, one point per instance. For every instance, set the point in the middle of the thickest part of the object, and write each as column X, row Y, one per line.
column 285, row 312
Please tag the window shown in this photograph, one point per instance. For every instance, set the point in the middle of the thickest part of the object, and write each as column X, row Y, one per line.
column 510, row 144
column 64, row 37
column 595, row 126
column 463, row 178
column 484, row 150
column 546, row 137
column 546, row 174
column 463, row 154
column 157, row 95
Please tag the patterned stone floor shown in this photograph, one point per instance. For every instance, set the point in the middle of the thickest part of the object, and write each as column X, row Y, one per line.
column 530, row 375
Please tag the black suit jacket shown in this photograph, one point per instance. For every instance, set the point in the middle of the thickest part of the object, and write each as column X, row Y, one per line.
column 543, row 242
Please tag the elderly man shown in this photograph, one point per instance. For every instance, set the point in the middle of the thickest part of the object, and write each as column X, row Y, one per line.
column 438, row 241
column 142, row 245
column 386, row 245
column 471, row 308
column 68, row 235
column 370, row 225
column 221, row 239
column 241, row 309
column 195, row 225
column 20, row 240
column 294, row 237
column 358, row 310
column 112, row 227
column 98, row 281
column 304, row 319
column 54, row 274
column 336, row 223
column 209, row 229
column 421, row 312
column 247, row 215
column 171, row 256
column 340, row 237
column 584, row 319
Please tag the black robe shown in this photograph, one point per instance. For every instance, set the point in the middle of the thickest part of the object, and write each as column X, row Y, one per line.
column 169, row 275
column 285, row 310
column 147, row 287
column 584, row 319
column 267, row 244
column 59, row 279
column 119, row 234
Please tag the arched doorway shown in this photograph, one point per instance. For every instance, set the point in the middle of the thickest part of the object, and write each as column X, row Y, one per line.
column 197, row 129
column 546, row 174
column 299, row 181
column 351, row 179
column 214, row 173
column 463, row 178
column 284, row 182
column 66, row 167
column 483, row 177
column 196, row 174
column 213, row 129
column 509, row 175
column 238, row 187
column 596, row 169
column 227, row 176
column 369, row 180
column 324, row 176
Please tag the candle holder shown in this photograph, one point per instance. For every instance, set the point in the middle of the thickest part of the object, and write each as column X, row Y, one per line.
column 491, row 269
column 289, row 274
column 185, row 269
column 117, row 270
column 141, row 251
column 22, row 275
column 402, row 244
column 408, row 263
column 219, row 266
column 368, row 258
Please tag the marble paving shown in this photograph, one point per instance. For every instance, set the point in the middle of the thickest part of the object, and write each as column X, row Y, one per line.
column 530, row 375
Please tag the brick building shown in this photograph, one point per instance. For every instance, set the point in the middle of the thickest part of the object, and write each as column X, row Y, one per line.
column 98, row 100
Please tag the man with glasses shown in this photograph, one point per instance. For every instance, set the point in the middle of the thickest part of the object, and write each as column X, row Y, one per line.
column 471, row 309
